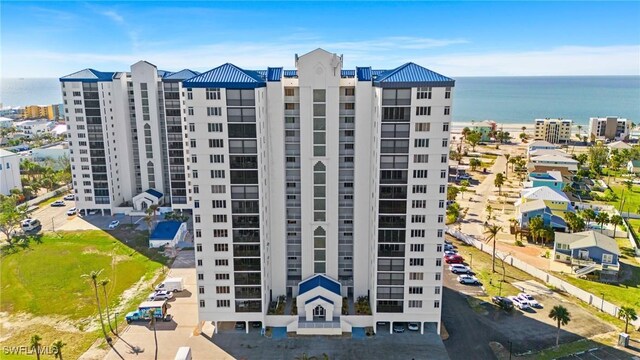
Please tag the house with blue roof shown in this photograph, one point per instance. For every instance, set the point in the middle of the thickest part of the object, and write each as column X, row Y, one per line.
column 551, row 179
column 168, row 233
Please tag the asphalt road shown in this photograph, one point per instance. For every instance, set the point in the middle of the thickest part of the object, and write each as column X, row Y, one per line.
column 53, row 218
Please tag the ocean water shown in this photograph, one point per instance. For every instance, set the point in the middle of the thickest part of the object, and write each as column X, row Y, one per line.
column 504, row 99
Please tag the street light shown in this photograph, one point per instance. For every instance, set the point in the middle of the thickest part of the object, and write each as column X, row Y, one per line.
column 602, row 304
column 116, row 319
column 471, row 261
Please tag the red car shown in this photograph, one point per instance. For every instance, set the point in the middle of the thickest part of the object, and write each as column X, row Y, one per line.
column 453, row 259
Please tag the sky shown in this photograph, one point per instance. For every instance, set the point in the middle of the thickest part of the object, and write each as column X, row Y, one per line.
column 465, row 38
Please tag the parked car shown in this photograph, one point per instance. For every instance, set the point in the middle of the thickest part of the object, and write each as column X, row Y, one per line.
column 413, row 326
column 398, row 328
column 72, row 211
column 503, row 302
column 530, row 300
column 448, row 242
column 449, row 246
column 520, row 304
column 114, row 224
column 93, row 212
column 453, row 259
column 69, row 197
column 450, row 252
column 30, row 224
column 240, row 325
column 57, row 203
column 256, row 324
column 160, row 295
column 463, row 176
column 468, row 279
column 459, row 269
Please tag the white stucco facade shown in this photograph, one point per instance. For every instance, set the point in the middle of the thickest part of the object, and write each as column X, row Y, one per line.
column 9, row 172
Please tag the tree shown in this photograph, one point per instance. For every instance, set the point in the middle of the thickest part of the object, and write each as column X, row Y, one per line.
column 628, row 314
column 524, row 128
column 11, row 215
column 615, row 220
column 588, row 215
column 492, row 234
column 489, row 211
column 152, row 322
column 93, row 278
column 474, row 163
column 453, row 211
column 582, row 159
column 473, row 138
column 452, row 192
column 153, row 210
column 498, row 182
column 148, row 219
column 598, row 156
column 579, row 131
column 507, row 156
column 602, row 218
column 523, row 136
column 535, row 225
column 560, row 314
column 464, row 185
column 35, row 345
column 104, row 283
column 628, row 184
column 56, row 348
column 567, row 188
column 547, row 234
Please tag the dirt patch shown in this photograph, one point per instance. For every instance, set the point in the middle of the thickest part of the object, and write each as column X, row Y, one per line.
column 11, row 324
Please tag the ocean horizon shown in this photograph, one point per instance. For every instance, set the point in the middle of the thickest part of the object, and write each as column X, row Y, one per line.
column 504, row 99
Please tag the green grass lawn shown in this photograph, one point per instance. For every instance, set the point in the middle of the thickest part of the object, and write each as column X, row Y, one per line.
column 632, row 198
column 481, row 265
column 44, row 279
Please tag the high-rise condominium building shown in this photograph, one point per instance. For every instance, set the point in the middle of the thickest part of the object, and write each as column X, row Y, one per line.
column 554, row 131
column 609, row 128
column 307, row 186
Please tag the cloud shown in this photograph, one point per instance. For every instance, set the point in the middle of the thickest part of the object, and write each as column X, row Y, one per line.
column 441, row 55
column 113, row 15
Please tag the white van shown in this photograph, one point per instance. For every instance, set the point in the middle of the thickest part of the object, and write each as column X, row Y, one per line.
column 184, row 353
column 30, row 224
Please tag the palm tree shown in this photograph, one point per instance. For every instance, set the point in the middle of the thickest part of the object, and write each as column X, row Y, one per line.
column 153, row 210
column 148, row 219
column 588, row 214
column 93, row 277
column 489, row 211
column 492, row 234
column 579, row 130
column 56, row 347
column 104, row 283
column 560, row 314
column 152, row 322
column 507, row 156
column 35, row 344
column 628, row 314
column 498, row 182
column 615, row 220
column 535, row 225
column 464, row 184
column 474, row 163
column 602, row 218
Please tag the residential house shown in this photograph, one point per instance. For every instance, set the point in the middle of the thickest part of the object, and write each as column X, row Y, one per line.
column 620, row 145
column 551, row 179
column 554, row 160
column 538, row 208
column 633, row 167
column 554, row 152
column 9, row 172
column 588, row 251
column 541, row 145
column 486, row 128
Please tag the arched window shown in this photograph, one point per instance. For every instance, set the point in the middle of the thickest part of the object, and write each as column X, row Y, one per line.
column 319, row 231
column 319, row 166
column 151, row 175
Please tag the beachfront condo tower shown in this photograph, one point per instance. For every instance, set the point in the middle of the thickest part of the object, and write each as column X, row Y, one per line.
column 317, row 194
column 555, row 131
column 609, row 128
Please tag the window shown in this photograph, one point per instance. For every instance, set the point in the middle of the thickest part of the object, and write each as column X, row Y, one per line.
column 192, row 142
column 420, row 174
column 198, row 233
column 438, row 262
column 424, row 93
column 200, row 276
column 607, row 258
column 438, row 276
column 221, row 233
column 415, row 303
column 219, row 204
column 440, row 218
column 445, row 142
column 447, row 110
column 440, row 233
column 223, row 289
column 289, row 92
column 200, row 289
column 216, row 159
column 189, row 94
column 349, row 92
column 443, row 174
column 214, row 127
column 196, row 204
column 447, row 93
column 222, row 262
column 419, row 189
column 224, row 276
column 416, row 276
column 199, row 262
column 217, row 174
column 201, row 303
column 442, row 189
column 223, row 303
column 423, row 126
column 436, row 304
column 194, row 174
column 194, row 158
column 220, row 219
column 421, row 142
column 441, row 204
column 214, row 111
column 190, row 110
column 198, row 247
column 416, row 262
column 444, row 159
column 423, row 110
column 216, row 143
column 418, row 218
column 220, row 247
column 436, row 290
column 196, row 219
column 419, row 204
column 192, row 127
column 213, row 94
column 445, row 126
column 417, row 247
column 415, row 289
column 218, row 189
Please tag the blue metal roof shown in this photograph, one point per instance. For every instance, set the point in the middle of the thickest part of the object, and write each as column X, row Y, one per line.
column 274, row 74
column 319, row 280
column 88, row 75
column 165, row 230
column 364, row 73
column 161, row 73
column 155, row 193
column 346, row 74
column 290, row 73
column 226, row 76
column 318, row 297
column 411, row 75
column 180, row 75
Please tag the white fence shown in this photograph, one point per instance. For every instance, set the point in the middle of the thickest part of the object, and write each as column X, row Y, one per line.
column 593, row 300
column 49, row 195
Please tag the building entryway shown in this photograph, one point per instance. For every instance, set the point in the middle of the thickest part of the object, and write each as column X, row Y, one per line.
column 318, row 313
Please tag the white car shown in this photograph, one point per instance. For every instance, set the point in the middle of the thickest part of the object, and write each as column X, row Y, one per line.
column 57, row 203
column 413, row 326
column 529, row 299
column 160, row 295
column 468, row 279
column 70, row 197
column 450, row 252
column 72, row 211
column 114, row 224
column 459, row 269
column 519, row 303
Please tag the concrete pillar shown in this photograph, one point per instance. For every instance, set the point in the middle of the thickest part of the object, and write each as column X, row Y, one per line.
column 246, row 327
column 215, row 324
column 390, row 327
column 421, row 328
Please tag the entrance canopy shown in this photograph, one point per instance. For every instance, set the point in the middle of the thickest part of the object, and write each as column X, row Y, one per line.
column 319, row 298
column 147, row 198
